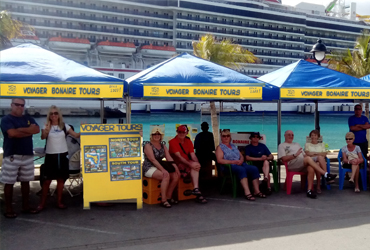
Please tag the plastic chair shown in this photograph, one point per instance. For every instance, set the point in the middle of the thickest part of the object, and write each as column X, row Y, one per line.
column 289, row 178
column 342, row 171
column 226, row 175
column 75, row 180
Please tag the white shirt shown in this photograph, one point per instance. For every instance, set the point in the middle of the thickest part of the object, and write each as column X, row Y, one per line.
column 286, row 149
column 56, row 140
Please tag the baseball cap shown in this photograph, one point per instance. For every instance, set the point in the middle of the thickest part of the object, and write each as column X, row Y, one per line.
column 182, row 128
column 253, row 134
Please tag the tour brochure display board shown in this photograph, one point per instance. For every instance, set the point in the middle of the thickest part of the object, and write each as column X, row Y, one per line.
column 111, row 162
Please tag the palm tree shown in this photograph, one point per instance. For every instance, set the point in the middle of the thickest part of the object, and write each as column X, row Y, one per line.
column 225, row 53
column 9, row 29
column 355, row 63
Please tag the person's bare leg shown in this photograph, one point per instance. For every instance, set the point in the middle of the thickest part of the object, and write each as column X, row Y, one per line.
column 356, row 175
column 310, row 177
column 354, row 171
column 174, row 179
column 44, row 194
column 245, row 186
column 60, row 187
column 158, row 175
column 8, row 195
column 256, row 186
column 25, row 189
column 266, row 172
column 195, row 178
column 309, row 162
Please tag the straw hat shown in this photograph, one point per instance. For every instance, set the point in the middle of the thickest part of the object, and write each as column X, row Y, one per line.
column 156, row 129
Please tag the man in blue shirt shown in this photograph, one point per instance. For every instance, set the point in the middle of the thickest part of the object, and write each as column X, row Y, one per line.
column 260, row 156
column 358, row 124
column 18, row 155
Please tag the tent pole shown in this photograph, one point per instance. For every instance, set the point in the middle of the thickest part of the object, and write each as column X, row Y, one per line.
column 317, row 116
column 279, row 132
column 128, row 109
column 101, row 111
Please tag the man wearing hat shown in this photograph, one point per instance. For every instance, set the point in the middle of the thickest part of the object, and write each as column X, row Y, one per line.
column 182, row 151
column 260, row 155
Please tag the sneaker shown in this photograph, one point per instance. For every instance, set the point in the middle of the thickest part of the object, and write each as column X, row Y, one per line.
column 263, row 186
column 330, row 178
column 311, row 194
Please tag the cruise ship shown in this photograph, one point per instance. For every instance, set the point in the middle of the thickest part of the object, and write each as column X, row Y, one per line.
column 123, row 37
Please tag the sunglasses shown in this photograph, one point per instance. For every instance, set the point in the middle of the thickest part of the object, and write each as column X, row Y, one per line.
column 18, row 104
column 54, row 113
column 256, row 136
column 349, row 139
column 225, row 135
column 156, row 134
column 358, row 109
column 180, row 132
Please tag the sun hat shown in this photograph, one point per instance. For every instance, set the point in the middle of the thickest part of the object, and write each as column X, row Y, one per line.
column 253, row 134
column 157, row 129
column 182, row 128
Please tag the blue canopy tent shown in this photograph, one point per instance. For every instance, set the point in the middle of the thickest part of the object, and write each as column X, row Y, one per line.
column 366, row 78
column 29, row 71
column 187, row 77
column 303, row 81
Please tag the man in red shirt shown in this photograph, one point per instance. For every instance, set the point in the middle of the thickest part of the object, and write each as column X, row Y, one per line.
column 182, row 151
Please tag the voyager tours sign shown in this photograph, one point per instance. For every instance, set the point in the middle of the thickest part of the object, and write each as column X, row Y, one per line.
column 325, row 93
column 202, row 92
column 61, row 90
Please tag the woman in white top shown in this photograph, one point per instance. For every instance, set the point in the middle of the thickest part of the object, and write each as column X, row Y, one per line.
column 352, row 158
column 318, row 153
column 56, row 161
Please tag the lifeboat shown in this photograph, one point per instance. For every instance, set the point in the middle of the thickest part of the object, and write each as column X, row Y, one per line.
column 116, row 47
column 26, row 37
column 160, row 51
column 70, row 44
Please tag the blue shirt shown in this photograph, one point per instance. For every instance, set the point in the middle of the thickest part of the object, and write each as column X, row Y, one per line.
column 360, row 136
column 17, row 146
column 257, row 151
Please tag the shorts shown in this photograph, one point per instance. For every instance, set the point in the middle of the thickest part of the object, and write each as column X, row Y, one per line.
column 56, row 166
column 150, row 172
column 17, row 168
column 297, row 166
column 259, row 165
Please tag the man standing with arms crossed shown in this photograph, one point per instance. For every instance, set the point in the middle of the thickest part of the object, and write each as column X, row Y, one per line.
column 18, row 155
column 358, row 124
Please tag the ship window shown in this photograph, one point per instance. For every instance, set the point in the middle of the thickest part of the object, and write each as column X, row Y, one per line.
column 126, row 9
column 111, row 74
column 122, row 76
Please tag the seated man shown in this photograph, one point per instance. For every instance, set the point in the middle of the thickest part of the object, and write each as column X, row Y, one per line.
column 182, row 151
column 292, row 153
column 260, row 156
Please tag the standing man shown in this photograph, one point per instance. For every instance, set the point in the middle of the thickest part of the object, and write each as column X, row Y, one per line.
column 260, row 156
column 18, row 155
column 358, row 124
column 182, row 151
column 204, row 146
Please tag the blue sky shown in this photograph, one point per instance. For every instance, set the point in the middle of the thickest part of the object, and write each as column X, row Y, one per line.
column 363, row 6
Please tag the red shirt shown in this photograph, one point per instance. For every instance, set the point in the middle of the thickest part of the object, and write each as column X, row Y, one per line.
column 187, row 145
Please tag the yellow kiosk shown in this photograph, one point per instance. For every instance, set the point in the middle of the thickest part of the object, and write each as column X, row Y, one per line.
column 111, row 162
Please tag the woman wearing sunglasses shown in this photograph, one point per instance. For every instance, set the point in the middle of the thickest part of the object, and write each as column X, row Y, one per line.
column 352, row 158
column 228, row 153
column 154, row 166
column 56, row 166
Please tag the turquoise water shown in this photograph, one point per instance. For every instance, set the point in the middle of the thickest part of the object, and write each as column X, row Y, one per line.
column 333, row 127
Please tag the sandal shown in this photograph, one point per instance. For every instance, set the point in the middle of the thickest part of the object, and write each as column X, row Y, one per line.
column 318, row 190
column 196, row 192
column 61, row 206
column 260, row 195
column 201, row 199
column 173, row 201
column 357, row 190
column 269, row 191
column 30, row 211
column 10, row 215
column 165, row 204
column 250, row 197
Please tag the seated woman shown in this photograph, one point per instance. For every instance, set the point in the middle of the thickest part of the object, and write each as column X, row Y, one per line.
column 154, row 167
column 317, row 152
column 352, row 158
column 227, row 153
